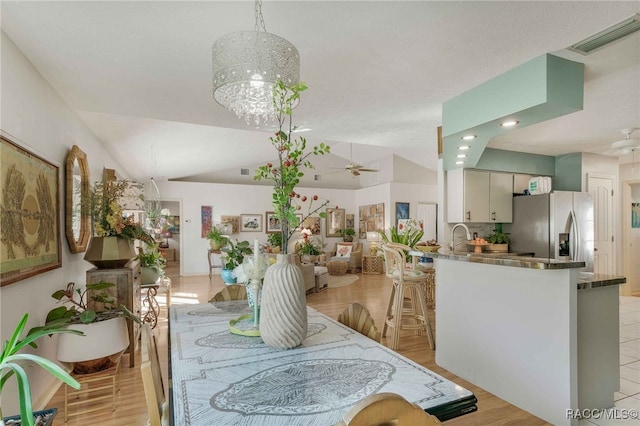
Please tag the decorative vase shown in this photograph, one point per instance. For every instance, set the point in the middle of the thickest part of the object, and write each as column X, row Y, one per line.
column 149, row 274
column 283, row 311
column 214, row 245
column 227, row 276
column 109, row 252
column 100, row 347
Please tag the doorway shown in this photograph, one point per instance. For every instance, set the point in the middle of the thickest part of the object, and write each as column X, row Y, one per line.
column 171, row 246
column 631, row 237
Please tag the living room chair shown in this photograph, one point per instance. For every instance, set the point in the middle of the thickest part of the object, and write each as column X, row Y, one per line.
column 157, row 403
column 405, row 281
column 350, row 253
column 387, row 408
column 359, row 318
column 230, row 292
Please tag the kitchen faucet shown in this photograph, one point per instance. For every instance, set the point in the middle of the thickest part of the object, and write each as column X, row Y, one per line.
column 453, row 230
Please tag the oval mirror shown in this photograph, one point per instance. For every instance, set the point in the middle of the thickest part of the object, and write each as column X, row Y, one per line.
column 78, row 226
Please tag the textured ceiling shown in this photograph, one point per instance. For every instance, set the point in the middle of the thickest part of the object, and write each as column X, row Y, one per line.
column 139, row 75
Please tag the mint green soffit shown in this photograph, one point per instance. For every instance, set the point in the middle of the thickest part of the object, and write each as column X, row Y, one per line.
column 541, row 89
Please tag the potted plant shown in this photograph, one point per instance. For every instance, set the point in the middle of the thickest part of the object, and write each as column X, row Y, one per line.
column 102, row 320
column 10, row 365
column 348, row 234
column 308, row 251
column 275, row 240
column 410, row 235
column 498, row 242
column 151, row 265
column 233, row 255
column 216, row 239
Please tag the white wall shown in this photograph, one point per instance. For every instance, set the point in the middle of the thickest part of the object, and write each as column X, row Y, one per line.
column 34, row 114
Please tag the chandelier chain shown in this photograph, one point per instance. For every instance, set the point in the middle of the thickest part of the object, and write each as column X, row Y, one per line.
column 259, row 17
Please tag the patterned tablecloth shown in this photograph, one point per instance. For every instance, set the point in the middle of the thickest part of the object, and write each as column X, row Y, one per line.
column 227, row 379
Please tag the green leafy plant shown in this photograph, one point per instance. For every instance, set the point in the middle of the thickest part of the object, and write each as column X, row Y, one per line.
column 10, row 363
column 307, row 247
column 412, row 234
column 275, row 239
column 152, row 259
column 79, row 311
column 348, row 233
column 292, row 159
column 215, row 235
column 234, row 253
column 498, row 238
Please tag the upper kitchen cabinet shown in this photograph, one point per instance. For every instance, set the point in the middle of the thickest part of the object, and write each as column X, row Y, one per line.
column 479, row 196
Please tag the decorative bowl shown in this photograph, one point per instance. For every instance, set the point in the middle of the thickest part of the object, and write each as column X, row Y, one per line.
column 428, row 249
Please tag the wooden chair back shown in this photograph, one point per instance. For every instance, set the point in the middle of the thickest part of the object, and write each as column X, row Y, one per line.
column 386, row 408
column 230, row 292
column 359, row 318
column 152, row 378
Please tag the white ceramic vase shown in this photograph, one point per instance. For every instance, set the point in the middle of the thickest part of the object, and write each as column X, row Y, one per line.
column 283, row 311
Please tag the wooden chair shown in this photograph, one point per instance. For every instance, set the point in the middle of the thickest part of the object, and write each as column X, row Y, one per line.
column 387, row 409
column 157, row 403
column 405, row 281
column 358, row 318
column 230, row 292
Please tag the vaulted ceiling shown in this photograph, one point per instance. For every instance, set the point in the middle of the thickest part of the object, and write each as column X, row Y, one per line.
column 139, row 75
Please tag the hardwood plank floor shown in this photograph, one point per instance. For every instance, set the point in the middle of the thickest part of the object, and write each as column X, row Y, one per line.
column 370, row 290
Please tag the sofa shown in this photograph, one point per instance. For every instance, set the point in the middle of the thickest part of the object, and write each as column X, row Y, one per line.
column 353, row 257
column 308, row 273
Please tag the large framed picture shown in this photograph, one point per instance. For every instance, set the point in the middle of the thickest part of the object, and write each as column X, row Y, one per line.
column 272, row 222
column 30, row 206
column 402, row 212
column 335, row 222
column 250, row 223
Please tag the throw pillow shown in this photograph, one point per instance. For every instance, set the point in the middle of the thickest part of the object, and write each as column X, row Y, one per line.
column 343, row 250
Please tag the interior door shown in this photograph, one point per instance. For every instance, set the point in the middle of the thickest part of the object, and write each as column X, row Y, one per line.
column 601, row 189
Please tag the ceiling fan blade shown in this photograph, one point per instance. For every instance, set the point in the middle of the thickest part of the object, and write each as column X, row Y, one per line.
column 355, row 172
column 368, row 170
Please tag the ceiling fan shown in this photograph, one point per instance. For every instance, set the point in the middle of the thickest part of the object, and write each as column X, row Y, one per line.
column 355, row 168
column 626, row 146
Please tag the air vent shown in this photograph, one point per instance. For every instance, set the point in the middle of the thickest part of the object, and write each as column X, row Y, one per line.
column 316, row 177
column 611, row 34
column 244, row 172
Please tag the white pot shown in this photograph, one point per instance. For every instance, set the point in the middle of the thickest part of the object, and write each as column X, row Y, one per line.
column 102, row 339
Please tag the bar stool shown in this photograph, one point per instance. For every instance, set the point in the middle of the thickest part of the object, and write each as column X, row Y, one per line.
column 409, row 284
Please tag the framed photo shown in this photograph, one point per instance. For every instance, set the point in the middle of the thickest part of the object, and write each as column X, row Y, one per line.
column 30, row 201
column 363, row 229
column 232, row 221
column 350, row 222
column 312, row 223
column 272, row 222
column 250, row 223
column 402, row 212
column 335, row 222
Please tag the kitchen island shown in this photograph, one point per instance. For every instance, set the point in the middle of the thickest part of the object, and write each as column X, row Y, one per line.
column 535, row 332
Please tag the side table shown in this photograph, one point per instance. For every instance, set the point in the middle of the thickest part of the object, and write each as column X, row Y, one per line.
column 210, row 254
column 371, row 264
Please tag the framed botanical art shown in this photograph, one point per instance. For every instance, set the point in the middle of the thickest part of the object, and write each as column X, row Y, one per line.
column 272, row 222
column 30, row 205
column 250, row 223
column 335, row 222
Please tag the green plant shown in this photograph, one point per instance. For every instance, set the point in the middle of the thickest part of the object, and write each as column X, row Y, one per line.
column 234, row 253
column 410, row 236
column 79, row 310
column 348, row 232
column 292, row 158
column 215, row 235
column 275, row 239
column 10, row 363
column 307, row 247
column 498, row 238
column 152, row 259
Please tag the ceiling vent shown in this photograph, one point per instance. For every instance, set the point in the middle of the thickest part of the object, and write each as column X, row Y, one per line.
column 611, row 34
column 244, row 172
column 316, row 177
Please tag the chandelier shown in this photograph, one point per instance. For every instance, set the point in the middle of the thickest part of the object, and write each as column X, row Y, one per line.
column 246, row 65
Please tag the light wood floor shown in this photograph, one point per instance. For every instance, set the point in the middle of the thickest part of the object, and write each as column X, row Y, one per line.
column 370, row 290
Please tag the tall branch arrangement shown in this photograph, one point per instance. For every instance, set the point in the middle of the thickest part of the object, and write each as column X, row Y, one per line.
column 292, row 159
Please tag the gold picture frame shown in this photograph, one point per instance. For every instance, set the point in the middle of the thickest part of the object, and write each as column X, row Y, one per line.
column 30, row 207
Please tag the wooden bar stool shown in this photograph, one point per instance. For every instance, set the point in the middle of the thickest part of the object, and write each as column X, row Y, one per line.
column 406, row 284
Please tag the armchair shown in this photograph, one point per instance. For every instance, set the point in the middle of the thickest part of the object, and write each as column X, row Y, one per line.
column 354, row 258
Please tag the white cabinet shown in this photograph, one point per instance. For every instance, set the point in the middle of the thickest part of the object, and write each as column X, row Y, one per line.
column 479, row 196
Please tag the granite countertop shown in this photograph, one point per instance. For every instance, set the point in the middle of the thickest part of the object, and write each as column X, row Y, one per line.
column 587, row 280
column 517, row 260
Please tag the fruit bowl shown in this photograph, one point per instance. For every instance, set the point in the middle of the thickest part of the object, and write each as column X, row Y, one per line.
column 477, row 246
column 428, row 249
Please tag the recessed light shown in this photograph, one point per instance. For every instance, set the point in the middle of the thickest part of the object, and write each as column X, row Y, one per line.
column 463, row 147
column 459, row 162
column 461, row 156
column 509, row 123
column 469, row 137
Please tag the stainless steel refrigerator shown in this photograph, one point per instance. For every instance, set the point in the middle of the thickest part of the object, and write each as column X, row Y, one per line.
column 558, row 225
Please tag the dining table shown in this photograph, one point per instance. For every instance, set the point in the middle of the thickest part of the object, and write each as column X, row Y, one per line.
column 233, row 378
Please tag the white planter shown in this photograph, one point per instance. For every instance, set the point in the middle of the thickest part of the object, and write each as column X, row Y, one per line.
column 102, row 340
column 149, row 274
